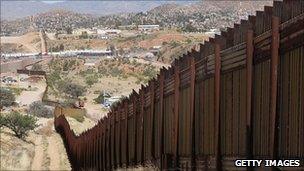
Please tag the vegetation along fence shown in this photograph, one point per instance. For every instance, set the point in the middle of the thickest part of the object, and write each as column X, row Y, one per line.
column 241, row 96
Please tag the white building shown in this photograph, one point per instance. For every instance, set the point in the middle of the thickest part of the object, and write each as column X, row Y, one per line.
column 148, row 27
column 108, row 32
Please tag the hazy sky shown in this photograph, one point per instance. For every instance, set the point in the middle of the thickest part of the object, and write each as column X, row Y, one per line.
column 16, row 9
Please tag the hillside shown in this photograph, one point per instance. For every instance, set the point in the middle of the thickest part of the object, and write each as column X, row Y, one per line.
column 29, row 42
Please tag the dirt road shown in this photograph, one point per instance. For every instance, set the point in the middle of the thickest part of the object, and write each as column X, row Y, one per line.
column 50, row 153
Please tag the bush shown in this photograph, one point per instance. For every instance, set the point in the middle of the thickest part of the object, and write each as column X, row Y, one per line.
column 20, row 124
column 1, row 121
column 7, row 97
column 74, row 90
column 103, row 71
column 36, row 67
column 90, row 80
column 115, row 72
column 40, row 110
column 16, row 91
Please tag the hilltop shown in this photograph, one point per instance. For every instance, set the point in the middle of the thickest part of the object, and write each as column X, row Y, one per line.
column 199, row 16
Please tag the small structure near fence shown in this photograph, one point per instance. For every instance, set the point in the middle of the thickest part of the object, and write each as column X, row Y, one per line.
column 239, row 97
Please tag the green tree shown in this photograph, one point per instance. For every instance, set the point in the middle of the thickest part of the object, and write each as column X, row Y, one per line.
column 7, row 97
column 20, row 124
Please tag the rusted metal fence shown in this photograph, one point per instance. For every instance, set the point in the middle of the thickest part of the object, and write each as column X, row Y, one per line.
column 241, row 96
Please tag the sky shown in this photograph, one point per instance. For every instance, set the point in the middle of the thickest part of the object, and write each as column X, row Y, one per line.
column 17, row 9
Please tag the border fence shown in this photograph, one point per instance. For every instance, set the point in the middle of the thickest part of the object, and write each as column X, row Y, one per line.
column 241, row 96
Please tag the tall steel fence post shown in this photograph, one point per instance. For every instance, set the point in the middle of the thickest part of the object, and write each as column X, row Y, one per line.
column 217, row 80
column 176, row 110
column 249, row 63
column 161, row 99
column 192, row 98
column 275, row 41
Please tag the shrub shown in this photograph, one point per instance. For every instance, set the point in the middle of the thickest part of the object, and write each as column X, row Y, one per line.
column 40, row 110
column 103, row 71
column 74, row 90
column 115, row 72
column 36, row 67
column 20, row 124
column 16, row 91
column 90, row 80
column 2, row 121
column 7, row 97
